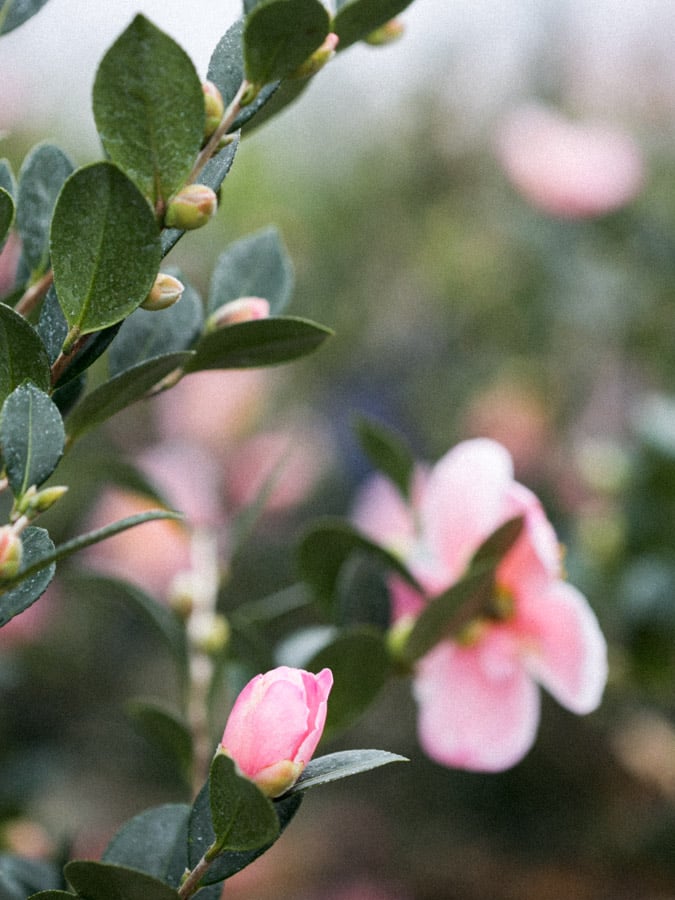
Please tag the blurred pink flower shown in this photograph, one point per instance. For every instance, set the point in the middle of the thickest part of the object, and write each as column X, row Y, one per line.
column 569, row 169
column 275, row 725
column 9, row 260
column 29, row 625
column 477, row 692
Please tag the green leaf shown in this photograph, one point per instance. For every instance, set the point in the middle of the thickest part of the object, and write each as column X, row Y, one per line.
column 361, row 665
column 20, row 877
column 324, row 550
column 260, row 342
column 52, row 326
column 343, row 764
column 154, row 842
column 32, row 437
column 90, row 348
column 6, row 214
column 498, row 544
column 105, row 247
column 105, row 881
column 201, row 836
column 22, row 354
column 145, row 334
column 387, row 452
column 255, row 266
column 279, row 35
column 15, row 12
column 41, row 178
column 37, row 570
column 50, row 895
column 7, row 180
column 243, row 817
column 122, row 391
column 362, row 594
column 165, row 730
column 149, row 109
column 356, row 19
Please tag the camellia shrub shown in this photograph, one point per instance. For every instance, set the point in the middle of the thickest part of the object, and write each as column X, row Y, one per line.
column 477, row 608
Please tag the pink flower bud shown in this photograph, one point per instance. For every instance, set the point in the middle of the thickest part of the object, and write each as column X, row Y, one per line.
column 214, row 108
column 11, row 552
column 386, row 34
column 166, row 291
column 244, row 309
column 191, row 208
column 275, row 726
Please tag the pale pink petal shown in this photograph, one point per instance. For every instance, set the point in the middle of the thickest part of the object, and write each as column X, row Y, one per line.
column 405, row 600
column 464, row 501
column 536, row 554
column 381, row 513
column 478, row 710
column 563, row 647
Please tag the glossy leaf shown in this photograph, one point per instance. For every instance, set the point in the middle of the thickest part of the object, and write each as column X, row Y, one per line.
column 387, row 452
column 154, row 842
column 343, row 764
column 121, row 391
column 41, row 178
column 243, row 817
column 22, row 354
column 149, row 109
column 105, row 881
column 37, row 549
column 105, row 247
column 261, row 342
column 279, row 35
column 20, row 877
column 32, row 437
column 145, row 334
column 165, row 730
column 52, row 326
column 356, row 19
column 90, row 348
column 15, row 12
column 255, row 266
column 6, row 214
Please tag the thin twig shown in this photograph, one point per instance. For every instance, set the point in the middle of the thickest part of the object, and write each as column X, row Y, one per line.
column 229, row 116
column 34, row 294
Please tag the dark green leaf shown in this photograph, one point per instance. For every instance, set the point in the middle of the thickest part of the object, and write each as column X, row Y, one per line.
column 202, row 836
column 104, row 881
column 6, row 214
column 279, row 35
column 37, row 547
column 90, row 348
column 22, row 354
column 122, row 391
column 154, row 842
column 32, row 437
column 362, row 594
column 260, row 342
column 344, row 764
column 255, row 266
column 41, row 178
column 7, row 180
column 360, row 664
column 50, row 895
column 356, row 19
column 52, row 326
column 165, row 730
column 145, row 334
column 105, row 247
column 149, row 109
column 494, row 548
column 20, row 877
column 387, row 452
column 15, row 12
column 243, row 817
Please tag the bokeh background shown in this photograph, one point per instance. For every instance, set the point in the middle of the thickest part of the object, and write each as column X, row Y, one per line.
column 484, row 213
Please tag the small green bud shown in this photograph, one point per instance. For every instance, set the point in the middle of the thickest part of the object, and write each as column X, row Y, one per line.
column 214, row 108
column 11, row 553
column 192, row 207
column 217, row 638
column 318, row 59
column 386, row 34
column 166, row 291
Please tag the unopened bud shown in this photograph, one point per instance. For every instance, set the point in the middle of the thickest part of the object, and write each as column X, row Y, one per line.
column 244, row 309
column 386, row 34
column 318, row 59
column 166, row 291
column 192, row 207
column 214, row 108
column 45, row 499
column 217, row 637
column 11, row 553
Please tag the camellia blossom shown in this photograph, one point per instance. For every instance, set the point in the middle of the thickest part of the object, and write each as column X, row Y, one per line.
column 275, row 725
column 478, row 691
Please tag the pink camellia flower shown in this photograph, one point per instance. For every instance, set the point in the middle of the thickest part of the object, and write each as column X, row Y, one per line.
column 477, row 690
column 275, row 726
column 569, row 169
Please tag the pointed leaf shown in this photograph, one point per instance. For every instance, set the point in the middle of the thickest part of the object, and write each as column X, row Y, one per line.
column 122, row 391
column 243, row 817
column 387, row 452
column 105, row 247
column 260, row 342
column 37, row 547
column 165, row 730
column 15, row 12
column 344, row 764
column 255, row 266
column 495, row 547
column 105, row 881
column 279, row 35
column 356, row 19
column 90, row 348
column 32, row 437
column 41, row 178
column 149, row 109
column 6, row 214
column 22, row 354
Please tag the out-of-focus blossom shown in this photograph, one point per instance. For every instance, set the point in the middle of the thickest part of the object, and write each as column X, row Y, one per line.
column 29, row 625
column 569, row 169
column 243, row 309
column 477, row 691
column 9, row 260
column 275, row 725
